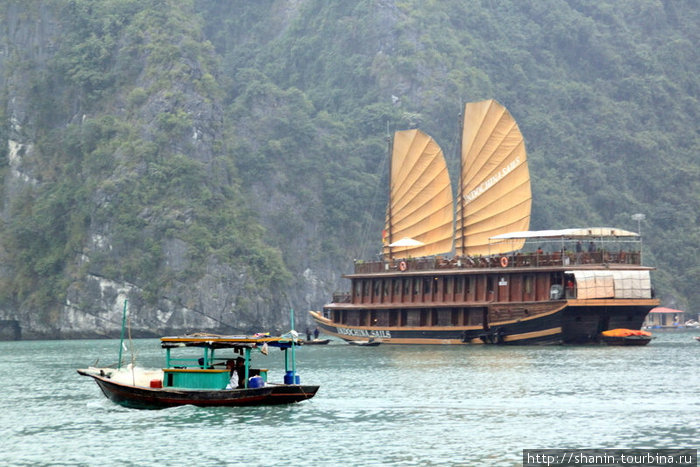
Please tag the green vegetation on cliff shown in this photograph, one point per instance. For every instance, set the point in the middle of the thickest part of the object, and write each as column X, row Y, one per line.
column 253, row 133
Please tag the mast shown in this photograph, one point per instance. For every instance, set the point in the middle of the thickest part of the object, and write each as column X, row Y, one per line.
column 460, row 189
column 390, row 149
column 294, row 357
column 121, row 340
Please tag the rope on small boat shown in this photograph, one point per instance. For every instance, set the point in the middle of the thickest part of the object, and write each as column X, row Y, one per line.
column 133, row 358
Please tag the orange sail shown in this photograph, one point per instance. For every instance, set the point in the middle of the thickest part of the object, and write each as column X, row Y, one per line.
column 494, row 192
column 421, row 202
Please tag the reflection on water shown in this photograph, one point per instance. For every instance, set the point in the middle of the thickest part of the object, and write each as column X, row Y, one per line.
column 408, row 405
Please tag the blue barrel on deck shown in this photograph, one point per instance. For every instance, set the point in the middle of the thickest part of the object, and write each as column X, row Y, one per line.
column 256, row 382
column 291, row 378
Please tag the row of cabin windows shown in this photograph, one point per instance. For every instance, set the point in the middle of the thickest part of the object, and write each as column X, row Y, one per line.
column 415, row 286
column 412, row 318
column 506, row 288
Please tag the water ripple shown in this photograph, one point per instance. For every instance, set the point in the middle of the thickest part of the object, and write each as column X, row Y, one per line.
column 409, row 405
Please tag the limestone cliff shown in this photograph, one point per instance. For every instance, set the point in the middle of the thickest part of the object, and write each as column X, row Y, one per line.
column 124, row 106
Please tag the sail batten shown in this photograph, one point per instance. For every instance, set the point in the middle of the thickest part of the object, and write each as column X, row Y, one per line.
column 495, row 194
column 421, row 201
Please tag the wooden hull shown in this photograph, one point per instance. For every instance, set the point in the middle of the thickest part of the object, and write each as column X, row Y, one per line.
column 159, row 398
column 545, row 329
column 557, row 322
column 289, row 393
column 316, row 342
column 583, row 323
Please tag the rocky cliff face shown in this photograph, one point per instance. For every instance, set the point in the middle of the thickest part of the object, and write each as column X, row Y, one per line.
column 218, row 163
column 167, row 91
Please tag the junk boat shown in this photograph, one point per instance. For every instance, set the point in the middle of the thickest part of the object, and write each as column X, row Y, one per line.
column 203, row 377
column 626, row 337
column 471, row 271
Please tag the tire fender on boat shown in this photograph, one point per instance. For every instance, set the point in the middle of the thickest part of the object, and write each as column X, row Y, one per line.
column 504, row 261
column 402, row 265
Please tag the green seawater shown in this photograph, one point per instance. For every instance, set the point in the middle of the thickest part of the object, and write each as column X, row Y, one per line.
column 386, row 405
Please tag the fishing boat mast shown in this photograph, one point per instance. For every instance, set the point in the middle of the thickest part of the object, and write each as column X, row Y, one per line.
column 294, row 355
column 121, row 340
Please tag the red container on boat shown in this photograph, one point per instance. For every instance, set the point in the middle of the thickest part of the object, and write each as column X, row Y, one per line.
column 156, row 383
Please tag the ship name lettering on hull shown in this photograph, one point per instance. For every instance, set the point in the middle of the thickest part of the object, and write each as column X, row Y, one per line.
column 363, row 332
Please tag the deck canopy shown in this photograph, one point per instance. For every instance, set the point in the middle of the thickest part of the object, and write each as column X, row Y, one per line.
column 612, row 284
column 227, row 342
column 661, row 309
column 588, row 232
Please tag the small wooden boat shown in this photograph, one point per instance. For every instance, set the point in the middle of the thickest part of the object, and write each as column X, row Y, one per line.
column 697, row 338
column 203, row 377
column 626, row 337
column 316, row 342
column 371, row 342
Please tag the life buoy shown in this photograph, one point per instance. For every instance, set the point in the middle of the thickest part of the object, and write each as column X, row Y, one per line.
column 504, row 261
column 402, row 265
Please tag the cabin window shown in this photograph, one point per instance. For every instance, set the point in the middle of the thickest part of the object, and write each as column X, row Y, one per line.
column 373, row 318
column 377, row 291
column 387, row 287
column 469, row 280
column 476, row 316
column 393, row 318
column 454, row 318
column 528, row 285
column 365, row 288
column 397, row 288
column 459, row 285
column 556, row 279
column 406, row 287
column 404, row 318
column 416, row 286
column 489, row 284
column 448, row 285
column 358, row 289
column 365, row 319
column 426, row 286
column 423, row 317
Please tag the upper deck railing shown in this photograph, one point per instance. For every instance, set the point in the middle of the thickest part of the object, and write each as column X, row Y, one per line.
column 505, row 261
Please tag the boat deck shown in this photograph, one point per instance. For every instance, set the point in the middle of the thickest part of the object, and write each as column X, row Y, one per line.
column 518, row 260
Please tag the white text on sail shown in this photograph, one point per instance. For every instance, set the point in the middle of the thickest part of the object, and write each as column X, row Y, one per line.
column 491, row 181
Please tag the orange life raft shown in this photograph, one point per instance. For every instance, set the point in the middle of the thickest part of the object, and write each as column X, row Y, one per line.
column 625, row 333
